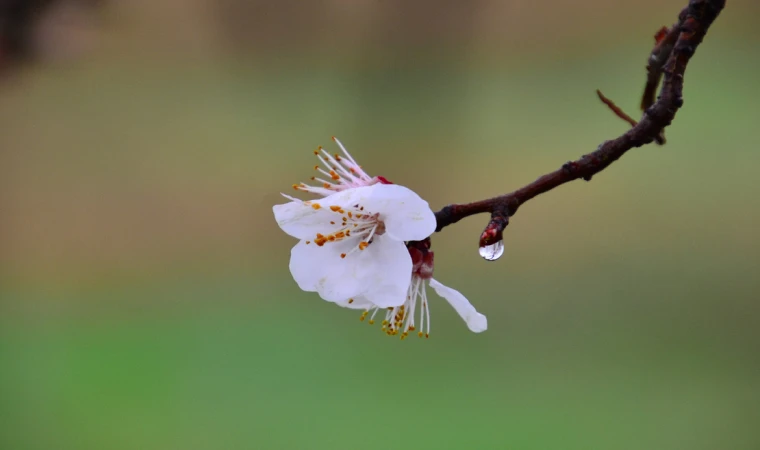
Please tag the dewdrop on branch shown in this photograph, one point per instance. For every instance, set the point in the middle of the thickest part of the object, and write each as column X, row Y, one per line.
column 491, row 240
column 492, row 252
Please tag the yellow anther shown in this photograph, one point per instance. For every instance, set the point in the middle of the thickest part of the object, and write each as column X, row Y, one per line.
column 316, row 205
column 371, row 322
column 350, row 300
column 295, row 186
column 363, row 245
column 343, row 255
column 420, row 334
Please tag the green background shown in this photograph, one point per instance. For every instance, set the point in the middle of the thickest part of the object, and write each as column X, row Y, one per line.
column 145, row 298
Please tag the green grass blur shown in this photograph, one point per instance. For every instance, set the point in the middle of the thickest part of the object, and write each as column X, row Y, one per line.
column 145, row 300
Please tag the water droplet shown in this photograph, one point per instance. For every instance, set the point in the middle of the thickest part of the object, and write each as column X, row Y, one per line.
column 492, row 252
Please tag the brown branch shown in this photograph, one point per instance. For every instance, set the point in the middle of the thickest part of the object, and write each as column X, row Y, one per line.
column 686, row 35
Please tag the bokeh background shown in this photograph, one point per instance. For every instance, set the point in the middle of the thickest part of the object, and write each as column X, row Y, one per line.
column 145, row 298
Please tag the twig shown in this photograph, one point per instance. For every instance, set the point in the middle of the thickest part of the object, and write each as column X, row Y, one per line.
column 664, row 41
column 687, row 34
column 616, row 109
column 659, row 139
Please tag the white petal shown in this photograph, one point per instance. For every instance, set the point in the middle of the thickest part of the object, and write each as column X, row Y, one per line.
column 322, row 270
column 303, row 221
column 475, row 321
column 357, row 303
column 390, row 272
column 381, row 272
column 407, row 217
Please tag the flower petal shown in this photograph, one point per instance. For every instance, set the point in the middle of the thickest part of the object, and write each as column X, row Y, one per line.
column 357, row 303
column 381, row 272
column 304, row 219
column 475, row 321
column 389, row 272
column 322, row 270
column 407, row 217
column 300, row 220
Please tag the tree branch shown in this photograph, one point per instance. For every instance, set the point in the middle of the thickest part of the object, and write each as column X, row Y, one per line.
column 673, row 49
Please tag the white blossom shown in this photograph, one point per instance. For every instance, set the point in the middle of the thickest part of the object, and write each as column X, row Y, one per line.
column 352, row 242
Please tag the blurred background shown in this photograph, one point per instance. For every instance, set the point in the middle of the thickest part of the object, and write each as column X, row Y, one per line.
column 145, row 297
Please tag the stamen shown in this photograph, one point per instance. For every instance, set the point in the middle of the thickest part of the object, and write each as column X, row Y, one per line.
column 345, row 152
column 333, row 165
column 343, row 170
column 400, row 319
column 427, row 312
